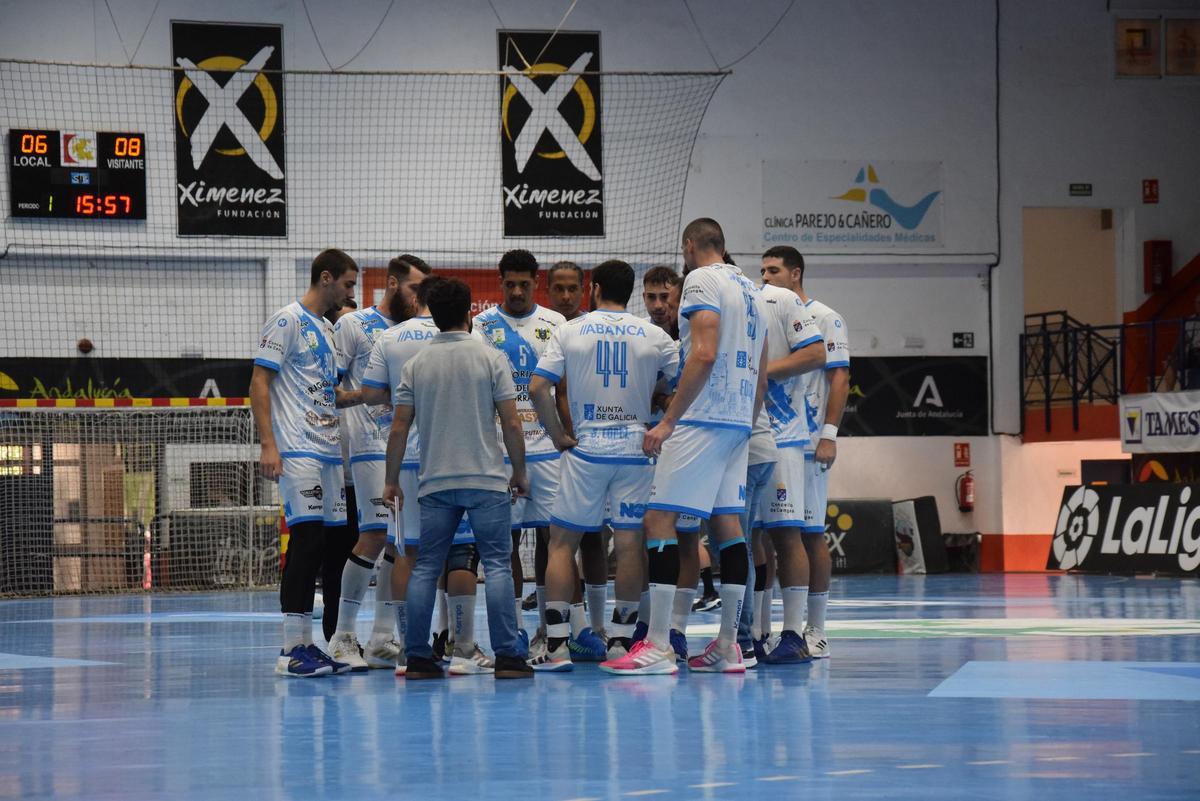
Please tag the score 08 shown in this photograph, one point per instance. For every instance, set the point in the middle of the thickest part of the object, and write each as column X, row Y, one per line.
column 127, row 147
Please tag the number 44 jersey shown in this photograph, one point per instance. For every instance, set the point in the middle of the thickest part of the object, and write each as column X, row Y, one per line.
column 612, row 361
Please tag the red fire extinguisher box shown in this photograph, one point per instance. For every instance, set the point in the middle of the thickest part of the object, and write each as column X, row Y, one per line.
column 1156, row 264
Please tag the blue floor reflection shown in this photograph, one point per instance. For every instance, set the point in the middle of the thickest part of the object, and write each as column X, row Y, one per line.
column 942, row 687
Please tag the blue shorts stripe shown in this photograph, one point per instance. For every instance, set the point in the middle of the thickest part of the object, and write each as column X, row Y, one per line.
column 295, row 521
column 567, row 524
column 587, row 457
column 368, row 457
column 311, row 455
column 372, row 527
column 714, row 424
column 782, row 524
column 729, row 510
column 683, row 510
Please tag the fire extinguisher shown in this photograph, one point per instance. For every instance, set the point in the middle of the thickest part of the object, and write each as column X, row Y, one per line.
column 964, row 490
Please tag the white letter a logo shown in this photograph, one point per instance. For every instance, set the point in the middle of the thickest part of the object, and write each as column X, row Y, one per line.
column 928, row 387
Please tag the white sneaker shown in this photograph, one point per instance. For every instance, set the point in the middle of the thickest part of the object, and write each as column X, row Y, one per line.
column 470, row 662
column 537, row 646
column 556, row 661
column 818, row 644
column 381, row 653
column 344, row 647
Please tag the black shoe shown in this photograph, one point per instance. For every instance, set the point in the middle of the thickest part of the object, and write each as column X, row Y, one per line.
column 512, row 667
column 749, row 656
column 530, row 601
column 420, row 667
column 707, row 603
column 439, row 646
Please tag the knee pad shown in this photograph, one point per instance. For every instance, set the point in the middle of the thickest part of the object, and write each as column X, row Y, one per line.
column 664, row 563
column 735, row 562
column 464, row 556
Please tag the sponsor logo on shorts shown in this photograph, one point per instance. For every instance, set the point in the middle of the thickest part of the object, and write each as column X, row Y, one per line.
column 589, row 411
column 315, row 492
column 378, row 502
column 741, row 358
column 781, row 493
column 635, row 511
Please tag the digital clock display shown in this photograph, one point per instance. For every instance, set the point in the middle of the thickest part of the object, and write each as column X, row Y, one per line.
column 77, row 174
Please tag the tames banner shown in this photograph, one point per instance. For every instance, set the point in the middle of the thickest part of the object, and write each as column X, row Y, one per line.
column 1138, row 528
column 1161, row 422
column 550, row 134
column 902, row 396
column 229, row 129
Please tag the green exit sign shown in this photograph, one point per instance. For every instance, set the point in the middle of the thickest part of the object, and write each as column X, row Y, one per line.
column 1081, row 190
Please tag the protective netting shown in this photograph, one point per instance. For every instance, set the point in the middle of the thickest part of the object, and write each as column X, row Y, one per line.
column 376, row 164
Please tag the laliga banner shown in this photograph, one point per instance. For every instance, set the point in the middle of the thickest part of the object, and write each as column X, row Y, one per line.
column 550, row 134
column 228, row 110
column 1138, row 528
column 852, row 205
column 1161, row 422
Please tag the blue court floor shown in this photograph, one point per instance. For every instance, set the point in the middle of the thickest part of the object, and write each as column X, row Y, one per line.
column 980, row 687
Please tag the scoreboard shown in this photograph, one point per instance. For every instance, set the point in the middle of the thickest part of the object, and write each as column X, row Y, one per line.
column 77, row 174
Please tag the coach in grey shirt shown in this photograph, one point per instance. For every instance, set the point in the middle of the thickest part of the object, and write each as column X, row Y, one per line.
column 454, row 388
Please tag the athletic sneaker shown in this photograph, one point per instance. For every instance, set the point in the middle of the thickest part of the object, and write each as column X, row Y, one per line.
column 530, row 601
column 679, row 644
column 716, row 659
column 553, row 661
column 344, row 647
column 440, row 652
column 336, row 665
column 749, row 657
column 707, row 603
column 588, row 646
column 537, row 646
column 512, row 667
column 420, row 667
column 760, row 651
column 298, row 663
column 639, row 632
column 818, row 644
column 381, row 653
column 790, row 651
column 644, row 659
column 470, row 661
column 617, row 648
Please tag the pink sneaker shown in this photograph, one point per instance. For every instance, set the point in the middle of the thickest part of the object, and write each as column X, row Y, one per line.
column 644, row 659
column 716, row 659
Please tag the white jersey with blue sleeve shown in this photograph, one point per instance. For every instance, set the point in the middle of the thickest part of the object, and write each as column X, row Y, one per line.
column 790, row 327
column 727, row 399
column 298, row 346
column 391, row 352
column 837, row 354
column 611, row 360
column 365, row 427
column 522, row 340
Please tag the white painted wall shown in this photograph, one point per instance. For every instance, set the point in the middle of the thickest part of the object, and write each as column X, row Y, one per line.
column 1034, row 476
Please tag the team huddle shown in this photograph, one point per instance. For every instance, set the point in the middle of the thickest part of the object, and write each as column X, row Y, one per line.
column 414, row 443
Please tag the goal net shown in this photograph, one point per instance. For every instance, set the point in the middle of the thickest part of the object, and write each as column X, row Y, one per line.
column 111, row 479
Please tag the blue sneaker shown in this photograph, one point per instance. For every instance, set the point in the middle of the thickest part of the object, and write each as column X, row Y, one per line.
column 334, row 665
column 760, row 650
column 679, row 644
column 588, row 647
column 298, row 663
column 792, row 650
column 639, row 633
column 523, row 642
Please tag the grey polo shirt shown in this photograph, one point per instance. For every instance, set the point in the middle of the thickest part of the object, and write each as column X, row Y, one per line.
column 453, row 386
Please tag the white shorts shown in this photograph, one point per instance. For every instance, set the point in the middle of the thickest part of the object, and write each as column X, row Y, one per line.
column 702, row 472
column 535, row 510
column 592, row 493
column 410, row 515
column 816, row 496
column 781, row 504
column 312, row 491
column 373, row 515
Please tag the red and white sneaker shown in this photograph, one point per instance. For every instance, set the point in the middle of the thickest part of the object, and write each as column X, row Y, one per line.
column 644, row 659
column 717, row 659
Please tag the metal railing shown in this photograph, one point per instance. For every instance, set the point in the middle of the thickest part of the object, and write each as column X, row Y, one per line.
column 1065, row 361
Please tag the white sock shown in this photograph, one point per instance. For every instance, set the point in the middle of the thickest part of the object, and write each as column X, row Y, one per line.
column 309, row 639
column 661, row 598
column 520, row 614
column 355, row 580
column 462, row 620
column 732, row 597
column 401, row 610
column 597, row 594
column 579, row 619
column 566, row 612
column 294, row 632
column 540, row 594
column 681, row 608
column 817, row 601
column 644, row 608
column 764, row 610
column 756, row 628
column 622, row 611
column 795, row 601
column 443, row 619
column 383, row 628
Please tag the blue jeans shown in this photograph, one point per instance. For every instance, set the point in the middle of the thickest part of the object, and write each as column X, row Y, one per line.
column 758, row 476
column 489, row 513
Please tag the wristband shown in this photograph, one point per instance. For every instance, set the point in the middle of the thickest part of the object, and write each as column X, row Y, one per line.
column 829, row 432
